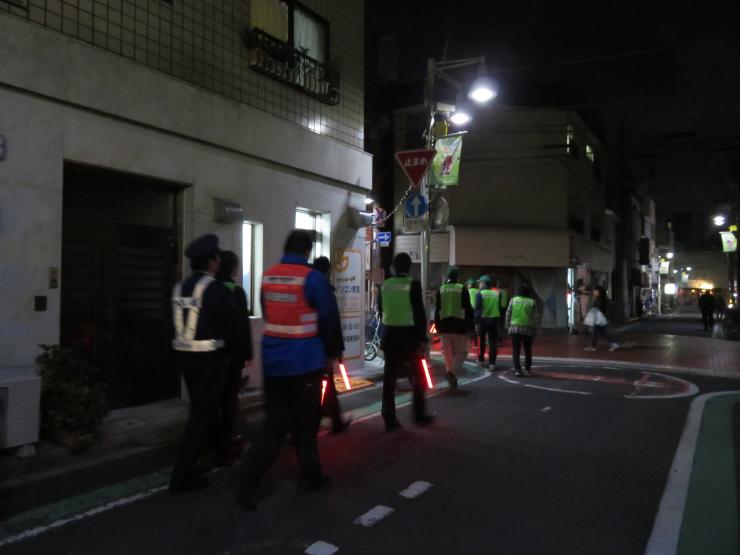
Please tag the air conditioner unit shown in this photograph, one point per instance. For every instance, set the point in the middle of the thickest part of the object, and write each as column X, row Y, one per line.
column 20, row 397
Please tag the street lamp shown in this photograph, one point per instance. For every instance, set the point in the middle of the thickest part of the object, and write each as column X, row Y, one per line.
column 481, row 91
column 669, row 255
column 720, row 220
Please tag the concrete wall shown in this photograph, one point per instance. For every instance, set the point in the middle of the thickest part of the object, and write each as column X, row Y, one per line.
column 64, row 100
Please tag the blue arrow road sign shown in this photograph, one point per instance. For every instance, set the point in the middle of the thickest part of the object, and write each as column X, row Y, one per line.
column 384, row 238
column 415, row 205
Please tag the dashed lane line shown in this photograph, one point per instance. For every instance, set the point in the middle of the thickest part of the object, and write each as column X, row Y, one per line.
column 546, row 409
column 321, row 548
column 415, row 489
column 374, row 515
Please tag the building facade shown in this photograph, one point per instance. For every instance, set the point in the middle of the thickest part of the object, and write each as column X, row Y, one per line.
column 130, row 127
column 530, row 207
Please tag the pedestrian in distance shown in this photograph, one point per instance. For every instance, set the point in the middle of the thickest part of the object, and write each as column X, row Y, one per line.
column 597, row 318
column 404, row 340
column 707, row 306
column 487, row 318
column 453, row 317
column 298, row 309
column 240, row 357
column 522, row 321
column 331, row 399
column 721, row 307
column 204, row 322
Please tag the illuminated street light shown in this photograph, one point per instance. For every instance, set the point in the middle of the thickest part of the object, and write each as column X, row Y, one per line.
column 369, row 200
column 675, row 271
column 688, row 268
column 720, row 220
column 669, row 255
column 461, row 116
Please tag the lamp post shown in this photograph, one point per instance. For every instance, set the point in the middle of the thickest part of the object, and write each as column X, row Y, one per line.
column 481, row 91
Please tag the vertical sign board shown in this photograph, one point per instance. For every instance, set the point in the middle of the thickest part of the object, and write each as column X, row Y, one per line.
column 729, row 241
column 446, row 163
column 349, row 280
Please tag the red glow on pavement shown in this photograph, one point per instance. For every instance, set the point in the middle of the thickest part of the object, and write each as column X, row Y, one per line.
column 324, row 383
column 343, row 370
column 427, row 374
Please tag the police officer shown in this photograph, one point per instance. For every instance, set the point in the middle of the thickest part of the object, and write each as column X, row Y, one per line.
column 453, row 316
column 298, row 309
column 203, row 314
column 521, row 321
column 487, row 316
column 331, row 398
column 404, row 340
column 232, row 445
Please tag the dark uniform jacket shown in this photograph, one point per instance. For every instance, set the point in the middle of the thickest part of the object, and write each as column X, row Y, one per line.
column 217, row 318
column 403, row 337
column 242, row 348
column 454, row 325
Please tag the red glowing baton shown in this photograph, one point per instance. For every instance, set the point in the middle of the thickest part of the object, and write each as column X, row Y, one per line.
column 345, row 377
column 427, row 374
column 324, row 383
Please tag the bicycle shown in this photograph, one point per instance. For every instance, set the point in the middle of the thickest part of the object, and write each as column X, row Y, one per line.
column 372, row 337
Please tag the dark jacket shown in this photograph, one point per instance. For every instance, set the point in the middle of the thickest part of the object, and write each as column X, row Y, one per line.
column 707, row 303
column 403, row 337
column 454, row 325
column 331, row 331
column 602, row 304
column 242, row 327
column 217, row 318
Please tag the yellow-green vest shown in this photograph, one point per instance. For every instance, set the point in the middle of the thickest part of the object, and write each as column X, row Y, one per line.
column 450, row 300
column 473, row 295
column 396, row 297
column 522, row 312
column 491, row 303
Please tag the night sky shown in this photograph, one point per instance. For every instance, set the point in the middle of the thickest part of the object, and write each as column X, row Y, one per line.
column 666, row 73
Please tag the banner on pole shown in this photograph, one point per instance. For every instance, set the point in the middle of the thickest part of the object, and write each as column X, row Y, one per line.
column 729, row 241
column 446, row 164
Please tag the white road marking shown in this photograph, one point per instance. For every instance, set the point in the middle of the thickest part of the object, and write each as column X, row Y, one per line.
column 33, row 532
column 373, row 516
column 557, row 390
column 546, row 409
column 667, row 527
column 321, row 548
column 415, row 489
column 691, row 389
column 509, row 380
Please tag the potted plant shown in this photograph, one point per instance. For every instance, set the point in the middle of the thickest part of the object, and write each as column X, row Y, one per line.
column 73, row 397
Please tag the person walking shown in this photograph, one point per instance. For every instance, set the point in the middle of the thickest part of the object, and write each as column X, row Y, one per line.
column 473, row 289
column 707, row 306
column 231, row 444
column 298, row 308
column 721, row 307
column 487, row 316
column 453, row 317
column 404, row 340
column 331, row 398
column 204, row 322
column 597, row 318
column 522, row 320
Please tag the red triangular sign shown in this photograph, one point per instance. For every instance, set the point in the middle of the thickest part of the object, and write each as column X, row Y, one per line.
column 414, row 163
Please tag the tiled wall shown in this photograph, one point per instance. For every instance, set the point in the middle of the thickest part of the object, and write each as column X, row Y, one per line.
column 201, row 41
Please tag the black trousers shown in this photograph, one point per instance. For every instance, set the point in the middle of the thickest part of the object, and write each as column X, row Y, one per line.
column 204, row 375
column 293, row 404
column 596, row 332
column 230, row 403
column 707, row 318
column 397, row 363
column 331, row 406
column 517, row 340
column 488, row 329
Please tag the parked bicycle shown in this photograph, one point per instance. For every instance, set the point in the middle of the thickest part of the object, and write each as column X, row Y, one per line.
column 372, row 336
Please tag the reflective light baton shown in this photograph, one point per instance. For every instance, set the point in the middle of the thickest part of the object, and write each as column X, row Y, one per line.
column 345, row 377
column 428, row 376
column 324, row 383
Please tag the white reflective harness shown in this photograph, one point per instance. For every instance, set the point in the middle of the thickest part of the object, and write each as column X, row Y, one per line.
column 185, row 329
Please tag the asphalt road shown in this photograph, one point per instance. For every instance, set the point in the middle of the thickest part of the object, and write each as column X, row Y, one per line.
column 678, row 324
column 572, row 460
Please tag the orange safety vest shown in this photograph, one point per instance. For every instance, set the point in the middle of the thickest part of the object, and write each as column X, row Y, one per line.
column 288, row 313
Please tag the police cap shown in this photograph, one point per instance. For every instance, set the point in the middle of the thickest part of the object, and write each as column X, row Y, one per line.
column 203, row 246
column 453, row 272
column 485, row 279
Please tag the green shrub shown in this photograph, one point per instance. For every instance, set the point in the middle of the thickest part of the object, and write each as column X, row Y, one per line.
column 73, row 397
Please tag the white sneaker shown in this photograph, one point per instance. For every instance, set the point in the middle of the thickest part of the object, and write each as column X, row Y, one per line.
column 589, row 348
column 492, row 368
column 614, row 346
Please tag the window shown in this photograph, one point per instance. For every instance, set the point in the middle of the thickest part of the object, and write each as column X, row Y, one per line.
column 319, row 226
column 570, row 139
column 294, row 24
column 590, row 153
column 252, row 265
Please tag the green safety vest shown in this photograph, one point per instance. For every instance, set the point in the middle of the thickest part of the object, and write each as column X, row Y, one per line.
column 522, row 312
column 396, row 296
column 450, row 299
column 473, row 295
column 230, row 284
column 491, row 303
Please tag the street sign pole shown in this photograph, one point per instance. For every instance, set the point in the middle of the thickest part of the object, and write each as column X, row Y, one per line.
column 426, row 188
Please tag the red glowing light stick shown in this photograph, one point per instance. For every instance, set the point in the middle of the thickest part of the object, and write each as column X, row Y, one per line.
column 324, row 383
column 427, row 374
column 343, row 370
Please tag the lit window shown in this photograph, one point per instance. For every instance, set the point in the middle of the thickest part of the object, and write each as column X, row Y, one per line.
column 252, row 265
column 590, row 153
column 570, row 139
column 310, row 32
column 319, row 226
